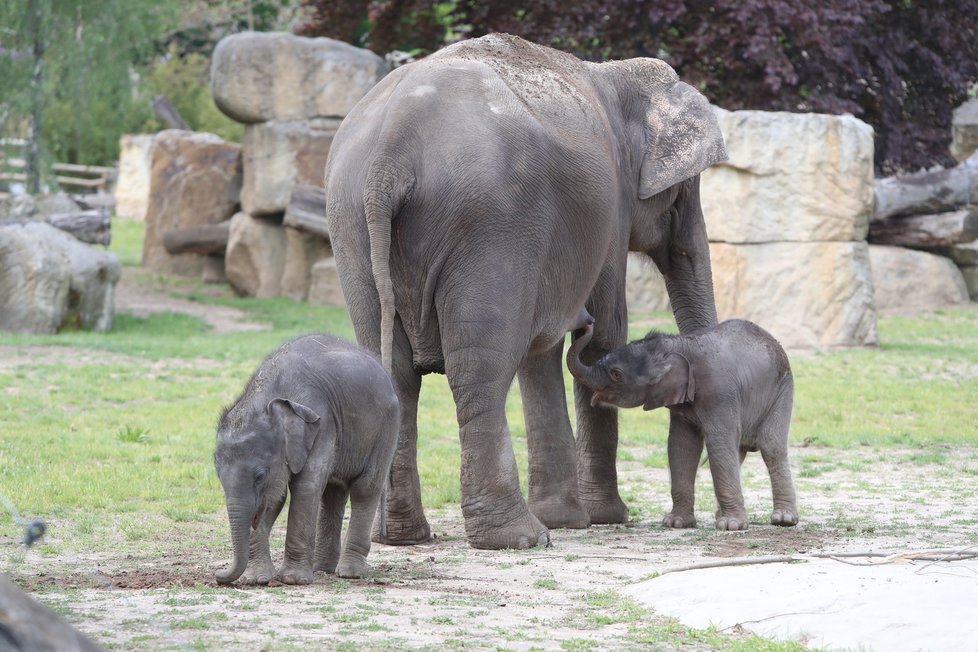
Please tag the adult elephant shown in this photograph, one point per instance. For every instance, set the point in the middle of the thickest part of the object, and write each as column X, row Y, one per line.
column 477, row 200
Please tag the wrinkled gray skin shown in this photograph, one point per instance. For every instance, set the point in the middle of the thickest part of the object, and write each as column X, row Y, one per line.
column 729, row 386
column 476, row 200
column 318, row 418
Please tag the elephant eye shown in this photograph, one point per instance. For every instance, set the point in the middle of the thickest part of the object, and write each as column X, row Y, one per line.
column 260, row 476
column 617, row 376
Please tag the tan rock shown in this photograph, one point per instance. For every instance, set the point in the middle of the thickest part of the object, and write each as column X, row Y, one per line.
column 908, row 281
column 964, row 130
column 195, row 179
column 645, row 289
column 302, row 251
column 278, row 155
column 255, row 257
column 132, row 186
column 791, row 177
column 817, row 294
column 970, row 275
column 279, row 76
column 324, row 288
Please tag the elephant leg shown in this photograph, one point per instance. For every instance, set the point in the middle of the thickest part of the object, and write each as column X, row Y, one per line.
column 480, row 369
column 723, row 451
column 773, row 438
column 597, row 451
column 300, row 535
column 330, row 525
column 552, row 466
column 406, row 522
column 684, row 447
column 364, row 498
column 260, row 568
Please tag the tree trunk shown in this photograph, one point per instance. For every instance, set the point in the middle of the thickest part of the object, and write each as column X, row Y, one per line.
column 169, row 114
column 926, row 231
column 928, row 192
column 210, row 239
column 307, row 210
column 37, row 100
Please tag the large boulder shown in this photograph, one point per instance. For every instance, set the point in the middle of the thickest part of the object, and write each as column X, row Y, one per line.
column 302, row 251
column 195, row 179
column 324, row 284
column 908, row 280
column 799, row 177
column 964, row 130
column 808, row 294
column 50, row 280
column 132, row 187
column 278, row 155
column 645, row 289
column 257, row 77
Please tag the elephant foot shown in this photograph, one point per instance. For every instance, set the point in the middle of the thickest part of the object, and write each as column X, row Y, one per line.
column 679, row 520
column 403, row 531
column 489, row 533
column 557, row 513
column 352, row 568
column 731, row 521
column 785, row 517
column 327, row 566
column 258, row 573
column 611, row 509
column 295, row 576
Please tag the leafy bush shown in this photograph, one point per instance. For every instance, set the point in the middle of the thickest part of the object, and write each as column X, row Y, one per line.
column 900, row 65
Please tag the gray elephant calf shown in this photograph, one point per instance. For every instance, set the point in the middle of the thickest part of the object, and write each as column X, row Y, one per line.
column 729, row 386
column 319, row 418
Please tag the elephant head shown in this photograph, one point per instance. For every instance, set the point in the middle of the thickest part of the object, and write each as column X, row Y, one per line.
column 640, row 373
column 258, row 450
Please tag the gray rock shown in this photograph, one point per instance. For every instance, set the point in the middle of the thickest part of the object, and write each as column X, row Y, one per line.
column 324, row 284
column 910, row 281
column 964, row 130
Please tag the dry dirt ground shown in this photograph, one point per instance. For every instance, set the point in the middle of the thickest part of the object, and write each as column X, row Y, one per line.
column 162, row 595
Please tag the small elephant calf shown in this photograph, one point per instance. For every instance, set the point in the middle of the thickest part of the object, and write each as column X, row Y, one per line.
column 319, row 419
column 729, row 386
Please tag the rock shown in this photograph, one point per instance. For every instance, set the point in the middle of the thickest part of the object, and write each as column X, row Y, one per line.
column 964, row 130
column 908, row 280
column 257, row 77
column 800, row 177
column 324, row 286
column 50, row 280
column 969, row 273
column 302, row 252
column 962, row 254
column 195, row 179
column 255, row 256
column 277, row 155
column 27, row 207
column 816, row 294
column 132, row 187
column 645, row 289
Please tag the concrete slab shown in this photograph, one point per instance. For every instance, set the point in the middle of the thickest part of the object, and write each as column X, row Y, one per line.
column 908, row 606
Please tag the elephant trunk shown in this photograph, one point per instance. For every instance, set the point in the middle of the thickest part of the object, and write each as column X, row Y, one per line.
column 240, row 521
column 585, row 374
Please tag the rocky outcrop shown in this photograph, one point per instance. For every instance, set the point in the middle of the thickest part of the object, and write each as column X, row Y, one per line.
column 132, row 187
column 908, row 280
column 964, row 130
column 195, row 179
column 49, row 280
column 324, row 284
column 256, row 77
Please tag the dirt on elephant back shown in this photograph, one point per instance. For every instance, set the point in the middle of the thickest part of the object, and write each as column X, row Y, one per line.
column 446, row 594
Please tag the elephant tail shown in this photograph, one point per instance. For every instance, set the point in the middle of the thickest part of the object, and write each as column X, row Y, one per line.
column 388, row 188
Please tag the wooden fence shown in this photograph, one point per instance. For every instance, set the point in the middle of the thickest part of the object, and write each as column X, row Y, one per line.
column 81, row 178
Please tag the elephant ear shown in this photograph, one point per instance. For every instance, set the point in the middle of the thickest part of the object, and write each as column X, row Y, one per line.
column 675, row 386
column 682, row 138
column 297, row 423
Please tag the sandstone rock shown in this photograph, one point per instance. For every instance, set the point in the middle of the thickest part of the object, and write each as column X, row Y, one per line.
column 816, row 294
column 645, row 289
column 257, row 77
column 962, row 254
column 970, row 275
column 964, row 130
column 277, row 155
column 195, row 179
column 791, row 177
column 302, row 252
column 324, row 287
column 50, row 280
column 132, row 186
column 909, row 280
column 255, row 256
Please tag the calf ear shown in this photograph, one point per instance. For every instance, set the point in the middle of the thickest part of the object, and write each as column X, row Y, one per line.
column 297, row 423
column 674, row 387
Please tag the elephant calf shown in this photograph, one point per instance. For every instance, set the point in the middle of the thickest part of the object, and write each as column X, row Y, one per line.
column 319, row 419
column 729, row 385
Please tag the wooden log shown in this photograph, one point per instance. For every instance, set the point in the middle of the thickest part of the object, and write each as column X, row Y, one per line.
column 307, row 210
column 926, row 232
column 169, row 113
column 928, row 192
column 208, row 240
column 93, row 227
